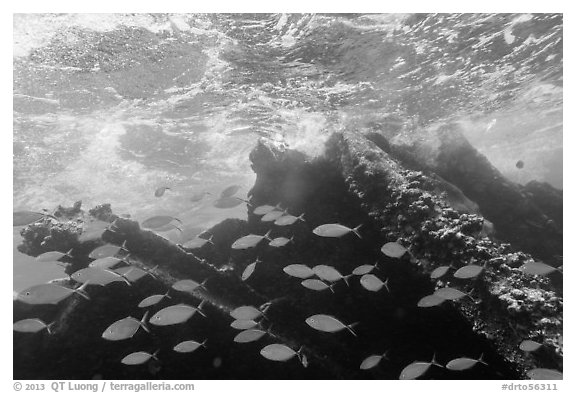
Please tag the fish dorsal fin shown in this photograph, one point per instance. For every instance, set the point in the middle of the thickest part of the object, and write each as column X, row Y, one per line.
column 355, row 230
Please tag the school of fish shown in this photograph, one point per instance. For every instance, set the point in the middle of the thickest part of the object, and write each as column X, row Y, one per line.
column 247, row 319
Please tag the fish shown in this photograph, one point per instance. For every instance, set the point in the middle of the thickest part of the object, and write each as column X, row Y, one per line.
column 364, row 269
column 545, row 374
column 316, row 285
column 372, row 361
column 108, row 262
column 230, row 190
column 152, row 300
column 158, row 221
column 417, row 369
column 519, row 164
column 327, row 323
column 97, row 276
column 125, row 328
column 49, row 293
column 243, row 324
column 393, row 250
column 328, row 273
column 227, row 203
column 32, row 325
column 197, row 242
column 249, row 270
column 451, row 293
column 167, row 228
column 298, row 271
column 53, row 256
column 264, row 209
column 469, row 271
column 289, row 220
column 282, row 353
column 372, row 283
column 246, row 313
column 160, row 191
column 26, row 217
column 439, row 272
column 107, row 250
column 189, row 346
column 199, row 196
column 133, row 274
column 188, row 285
column 460, row 364
column 335, row 230
column 538, row 268
column 176, row 314
column 249, row 241
column 430, row 301
column 136, row 358
column 280, row 241
column 94, row 230
column 250, row 335
column 530, row 346
column 272, row 216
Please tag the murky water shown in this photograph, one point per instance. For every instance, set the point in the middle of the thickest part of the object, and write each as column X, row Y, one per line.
column 109, row 107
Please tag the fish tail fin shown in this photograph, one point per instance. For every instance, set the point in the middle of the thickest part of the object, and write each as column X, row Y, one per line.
column 560, row 269
column 292, row 239
column 123, row 246
column 143, row 322
column 69, row 253
column 331, row 287
column 203, row 283
column 50, row 326
column 267, row 235
column 124, row 277
column 302, row 357
column 376, row 265
column 481, row 359
column 81, row 290
column 210, row 239
column 167, row 294
column 435, row 362
column 352, row 325
column 203, row 343
column 385, row 355
column 151, row 272
column 355, row 230
column 199, row 308
column 386, row 284
column 178, row 228
column 155, row 354
column 177, row 219
column 346, row 278
column 301, row 217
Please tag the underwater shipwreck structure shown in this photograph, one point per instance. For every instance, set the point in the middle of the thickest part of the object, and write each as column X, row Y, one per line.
column 438, row 197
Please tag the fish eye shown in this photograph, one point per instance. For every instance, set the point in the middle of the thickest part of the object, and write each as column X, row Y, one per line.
column 27, row 293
